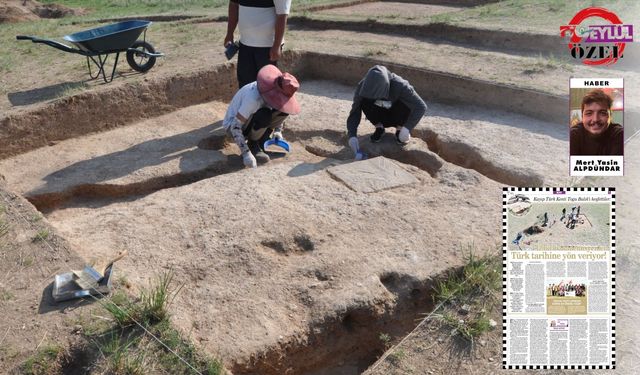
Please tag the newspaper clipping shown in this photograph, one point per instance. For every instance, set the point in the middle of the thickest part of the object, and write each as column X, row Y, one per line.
column 596, row 132
column 559, row 278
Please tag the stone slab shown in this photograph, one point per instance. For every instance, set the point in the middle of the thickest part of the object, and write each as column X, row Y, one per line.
column 368, row 176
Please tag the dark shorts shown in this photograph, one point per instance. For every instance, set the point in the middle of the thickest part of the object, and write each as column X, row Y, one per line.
column 250, row 61
column 397, row 115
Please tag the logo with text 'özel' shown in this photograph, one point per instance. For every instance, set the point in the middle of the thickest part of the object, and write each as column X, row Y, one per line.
column 596, row 42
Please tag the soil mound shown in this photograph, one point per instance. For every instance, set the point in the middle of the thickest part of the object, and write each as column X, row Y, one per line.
column 28, row 10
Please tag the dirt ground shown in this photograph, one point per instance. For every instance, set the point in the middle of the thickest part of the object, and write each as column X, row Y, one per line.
column 30, row 10
column 278, row 275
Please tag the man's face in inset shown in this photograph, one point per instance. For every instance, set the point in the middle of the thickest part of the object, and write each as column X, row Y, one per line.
column 596, row 118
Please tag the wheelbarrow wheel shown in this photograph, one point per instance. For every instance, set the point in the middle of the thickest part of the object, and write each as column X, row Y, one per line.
column 139, row 61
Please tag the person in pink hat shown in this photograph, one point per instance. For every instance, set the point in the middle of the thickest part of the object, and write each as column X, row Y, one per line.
column 258, row 110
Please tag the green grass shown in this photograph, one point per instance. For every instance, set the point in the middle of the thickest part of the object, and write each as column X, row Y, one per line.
column 4, row 228
column 158, row 297
column 541, row 16
column 45, row 361
column 42, row 235
column 128, row 349
column 121, row 358
column 119, row 8
column 480, row 277
column 27, row 262
column 396, row 357
column 374, row 52
column 468, row 329
column 468, row 295
column 385, row 339
column 6, row 295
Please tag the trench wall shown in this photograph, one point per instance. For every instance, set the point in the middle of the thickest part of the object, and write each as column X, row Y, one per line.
column 518, row 42
column 445, row 88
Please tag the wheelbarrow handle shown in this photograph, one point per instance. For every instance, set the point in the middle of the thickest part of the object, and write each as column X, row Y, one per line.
column 50, row 43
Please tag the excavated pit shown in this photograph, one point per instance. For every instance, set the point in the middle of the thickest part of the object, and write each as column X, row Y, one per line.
column 303, row 293
column 348, row 341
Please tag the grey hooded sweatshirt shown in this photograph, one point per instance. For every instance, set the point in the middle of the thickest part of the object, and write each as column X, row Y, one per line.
column 379, row 83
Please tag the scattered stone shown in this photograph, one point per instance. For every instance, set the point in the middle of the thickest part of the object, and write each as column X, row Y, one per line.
column 490, row 359
column 492, row 323
column 482, row 342
column 465, row 309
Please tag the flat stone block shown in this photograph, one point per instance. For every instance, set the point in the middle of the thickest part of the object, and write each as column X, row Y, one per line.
column 368, row 176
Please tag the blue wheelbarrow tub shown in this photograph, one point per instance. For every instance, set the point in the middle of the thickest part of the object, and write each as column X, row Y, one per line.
column 115, row 37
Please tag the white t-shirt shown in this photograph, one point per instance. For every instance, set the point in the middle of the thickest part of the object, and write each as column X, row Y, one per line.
column 257, row 20
column 246, row 102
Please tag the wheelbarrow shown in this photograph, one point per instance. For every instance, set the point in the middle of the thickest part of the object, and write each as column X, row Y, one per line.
column 97, row 44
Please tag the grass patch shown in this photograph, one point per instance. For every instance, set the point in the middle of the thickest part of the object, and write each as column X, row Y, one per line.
column 127, row 348
column 396, row 357
column 480, row 277
column 540, row 16
column 121, row 358
column 385, row 339
column 45, row 361
column 4, row 228
column 6, row 295
column 468, row 295
column 467, row 329
column 42, row 235
column 374, row 52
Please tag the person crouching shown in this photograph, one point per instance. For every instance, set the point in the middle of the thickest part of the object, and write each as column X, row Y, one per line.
column 387, row 100
column 258, row 110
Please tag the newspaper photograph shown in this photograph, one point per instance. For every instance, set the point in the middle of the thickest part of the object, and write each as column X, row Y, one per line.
column 559, row 278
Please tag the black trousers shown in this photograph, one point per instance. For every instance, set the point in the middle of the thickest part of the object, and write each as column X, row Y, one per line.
column 262, row 123
column 250, row 61
column 397, row 115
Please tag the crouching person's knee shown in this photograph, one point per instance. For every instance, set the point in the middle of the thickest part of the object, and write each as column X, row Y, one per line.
column 261, row 119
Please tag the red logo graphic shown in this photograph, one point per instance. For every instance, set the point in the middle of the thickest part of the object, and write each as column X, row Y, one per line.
column 586, row 42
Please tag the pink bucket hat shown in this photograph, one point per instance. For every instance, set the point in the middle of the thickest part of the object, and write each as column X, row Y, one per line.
column 278, row 89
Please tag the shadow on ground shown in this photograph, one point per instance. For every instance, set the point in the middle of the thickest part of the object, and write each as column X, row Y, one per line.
column 42, row 94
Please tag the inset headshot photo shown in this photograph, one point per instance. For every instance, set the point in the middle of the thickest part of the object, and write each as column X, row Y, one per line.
column 596, row 130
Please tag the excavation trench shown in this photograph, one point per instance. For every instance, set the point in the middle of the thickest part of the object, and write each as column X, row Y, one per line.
column 88, row 195
column 48, row 124
column 254, row 282
column 348, row 341
column 93, row 111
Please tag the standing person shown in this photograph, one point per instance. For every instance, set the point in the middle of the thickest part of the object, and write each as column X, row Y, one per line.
column 262, row 24
column 258, row 109
column 387, row 100
column 596, row 134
